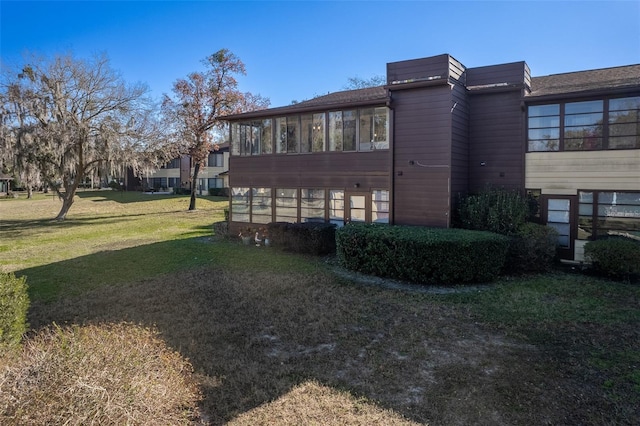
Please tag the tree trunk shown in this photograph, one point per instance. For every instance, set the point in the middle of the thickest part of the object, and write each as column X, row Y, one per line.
column 194, row 185
column 67, row 201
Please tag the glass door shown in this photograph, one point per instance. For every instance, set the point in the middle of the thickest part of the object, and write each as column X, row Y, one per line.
column 558, row 213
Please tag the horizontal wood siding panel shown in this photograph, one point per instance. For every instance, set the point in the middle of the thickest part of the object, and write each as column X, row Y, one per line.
column 335, row 169
column 418, row 68
column 422, row 135
column 513, row 73
column 496, row 138
column 567, row 172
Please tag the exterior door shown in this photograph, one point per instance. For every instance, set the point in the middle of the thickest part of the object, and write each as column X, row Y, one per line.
column 357, row 207
column 559, row 212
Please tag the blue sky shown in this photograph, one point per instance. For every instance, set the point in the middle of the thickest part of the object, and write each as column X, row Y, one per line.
column 296, row 50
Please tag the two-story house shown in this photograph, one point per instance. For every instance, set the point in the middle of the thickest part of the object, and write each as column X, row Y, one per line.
column 404, row 153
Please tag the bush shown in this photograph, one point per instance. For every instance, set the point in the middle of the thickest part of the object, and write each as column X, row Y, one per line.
column 308, row 238
column 14, row 304
column 532, row 249
column 97, row 374
column 494, row 210
column 422, row 255
column 219, row 192
column 616, row 257
column 221, row 230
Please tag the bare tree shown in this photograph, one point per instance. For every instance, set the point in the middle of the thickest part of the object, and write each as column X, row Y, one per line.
column 362, row 83
column 198, row 103
column 70, row 118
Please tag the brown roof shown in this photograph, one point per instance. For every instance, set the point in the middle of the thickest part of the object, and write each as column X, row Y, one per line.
column 586, row 81
column 367, row 96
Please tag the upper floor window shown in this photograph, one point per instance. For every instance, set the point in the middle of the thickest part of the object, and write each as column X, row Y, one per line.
column 215, row 159
column 363, row 129
column 585, row 125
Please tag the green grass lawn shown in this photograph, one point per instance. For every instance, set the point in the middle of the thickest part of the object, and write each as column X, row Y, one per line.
column 274, row 335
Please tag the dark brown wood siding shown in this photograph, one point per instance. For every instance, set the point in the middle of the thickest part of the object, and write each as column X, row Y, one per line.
column 422, row 156
column 496, row 154
column 513, row 73
column 417, row 69
column 459, row 142
column 370, row 170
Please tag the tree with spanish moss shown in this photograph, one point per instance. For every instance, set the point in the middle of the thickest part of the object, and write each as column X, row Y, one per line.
column 70, row 118
column 198, row 103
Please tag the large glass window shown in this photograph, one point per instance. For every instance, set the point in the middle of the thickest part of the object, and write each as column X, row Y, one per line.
column 583, row 125
column 380, row 206
column 261, row 210
column 558, row 218
column 286, row 205
column 312, row 205
column 240, row 204
column 544, row 128
column 312, row 133
column 215, row 183
column 605, row 213
column 373, row 129
column 624, row 123
column 587, row 125
column 364, row 130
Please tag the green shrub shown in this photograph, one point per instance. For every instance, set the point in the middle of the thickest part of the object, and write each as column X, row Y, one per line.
column 219, row 192
column 14, row 303
column 616, row 257
column 494, row 210
column 423, row 255
column 308, row 238
column 532, row 249
column 98, row 374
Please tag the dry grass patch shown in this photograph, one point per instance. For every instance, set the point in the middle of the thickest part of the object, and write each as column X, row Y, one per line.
column 110, row 374
column 313, row 404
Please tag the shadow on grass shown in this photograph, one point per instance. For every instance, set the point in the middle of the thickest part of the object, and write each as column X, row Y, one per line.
column 125, row 197
column 256, row 324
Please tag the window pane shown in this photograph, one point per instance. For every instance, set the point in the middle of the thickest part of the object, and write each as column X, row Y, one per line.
column 235, row 138
column 336, row 207
column 318, row 133
column 281, row 135
column 559, row 205
column 542, row 110
column 366, row 130
column 583, row 119
column 286, row 205
column 544, row 134
column 624, row 103
column 349, row 135
column 380, row 206
column 312, row 205
column 583, row 107
column 261, row 207
column 255, row 139
column 335, row 131
column 306, row 134
column 293, row 134
column 240, row 204
column 267, row 139
column 542, row 122
column 544, row 145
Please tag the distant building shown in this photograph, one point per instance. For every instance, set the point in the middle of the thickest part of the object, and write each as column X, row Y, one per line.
column 403, row 153
column 179, row 171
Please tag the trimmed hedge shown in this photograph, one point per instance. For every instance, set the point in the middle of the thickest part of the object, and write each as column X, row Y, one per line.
column 616, row 257
column 494, row 210
column 422, row 255
column 532, row 249
column 308, row 238
column 14, row 304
